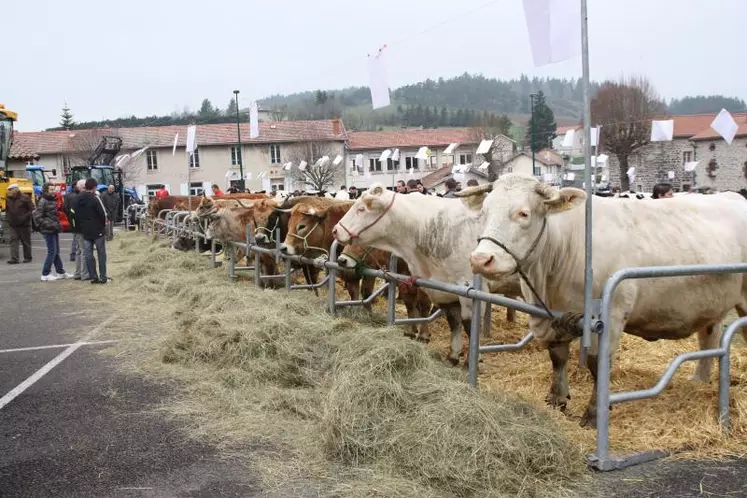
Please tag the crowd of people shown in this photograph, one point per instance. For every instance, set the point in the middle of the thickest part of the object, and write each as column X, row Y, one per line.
column 91, row 216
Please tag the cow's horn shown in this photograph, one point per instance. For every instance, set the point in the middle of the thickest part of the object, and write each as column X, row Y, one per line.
column 551, row 194
column 479, row 189
column 282, row 210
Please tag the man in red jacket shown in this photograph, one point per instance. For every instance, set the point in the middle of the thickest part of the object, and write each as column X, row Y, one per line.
column 162, row 192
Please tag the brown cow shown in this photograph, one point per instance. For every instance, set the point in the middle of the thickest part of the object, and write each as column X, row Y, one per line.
column 310, row 225
column 416, row 301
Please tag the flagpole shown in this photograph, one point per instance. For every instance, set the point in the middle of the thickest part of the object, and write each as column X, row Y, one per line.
column 588, row 272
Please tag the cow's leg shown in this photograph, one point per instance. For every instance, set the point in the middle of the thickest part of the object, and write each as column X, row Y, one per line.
column 560, row 391
column 510, row 315
column 424, row 308
column 409, row 297
column 454, row 317
column 367, row 287
column 487, row 320
column 352, row 285
column 708, row 338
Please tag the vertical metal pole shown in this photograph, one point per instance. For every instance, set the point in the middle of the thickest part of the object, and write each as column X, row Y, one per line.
column 287, row 275
column 242, row 186
column 473, row 355
column 277, row 246
column 391, row 297
column 196, row 236
column 588, row 272
column 231, row 250
column 332, row 278
column 531, row 130
column 724, row 372
column 212, row 253
column 603, row 380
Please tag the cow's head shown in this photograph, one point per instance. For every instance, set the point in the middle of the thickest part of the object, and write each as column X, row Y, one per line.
column 352, row 256
column 366, row 221
column 306, row 228
column 265, row 228
column 516, row 219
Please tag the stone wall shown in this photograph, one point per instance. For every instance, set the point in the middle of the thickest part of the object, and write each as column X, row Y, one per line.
column 654, row 161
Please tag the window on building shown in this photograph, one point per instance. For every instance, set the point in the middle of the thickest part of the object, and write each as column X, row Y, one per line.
column 152, row 160
column 151, row 189
column 195, row 160
column 509, row 169
column 465, row 158
column 235, row 155
column 537, row 169
column 275, row 154
column 446, row 160
column 391, row 165
column 687, row 156
column 278, row 186
column 433, row 160
column 686, row 187
column 411, row 162
column 374, row 165
column 196, row 188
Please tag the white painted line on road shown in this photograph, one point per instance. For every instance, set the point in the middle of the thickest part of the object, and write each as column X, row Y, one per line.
column 49, row 366
column 53, row 346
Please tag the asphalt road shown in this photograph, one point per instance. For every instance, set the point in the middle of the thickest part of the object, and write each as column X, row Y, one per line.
column 83, row 429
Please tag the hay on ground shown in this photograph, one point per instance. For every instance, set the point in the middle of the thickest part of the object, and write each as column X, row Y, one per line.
column 323, row 406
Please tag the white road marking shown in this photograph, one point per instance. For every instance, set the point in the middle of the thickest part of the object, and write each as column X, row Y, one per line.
column 49, row 366
column 53, row 346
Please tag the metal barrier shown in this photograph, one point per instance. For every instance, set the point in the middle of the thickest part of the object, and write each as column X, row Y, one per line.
column 599, row 460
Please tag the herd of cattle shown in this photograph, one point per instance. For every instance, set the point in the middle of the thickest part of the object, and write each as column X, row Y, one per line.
column 527, row 239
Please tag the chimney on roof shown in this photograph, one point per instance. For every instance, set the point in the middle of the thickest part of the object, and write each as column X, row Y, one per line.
column 336, row 127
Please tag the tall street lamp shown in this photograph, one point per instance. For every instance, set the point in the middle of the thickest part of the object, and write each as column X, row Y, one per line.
column 238, row 133
column 531, row 131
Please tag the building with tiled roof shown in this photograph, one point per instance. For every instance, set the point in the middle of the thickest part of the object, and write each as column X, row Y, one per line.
column 217, row 159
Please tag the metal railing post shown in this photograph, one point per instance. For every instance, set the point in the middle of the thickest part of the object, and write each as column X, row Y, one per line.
column 213, row 257
column 331, row 271
column 231, row 250
column 391, row 298
column 603, row 374
column 287, row 264
column 473, row 355
column 724, row 371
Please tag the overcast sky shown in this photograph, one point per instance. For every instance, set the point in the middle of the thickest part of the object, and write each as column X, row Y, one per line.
column 147, row 57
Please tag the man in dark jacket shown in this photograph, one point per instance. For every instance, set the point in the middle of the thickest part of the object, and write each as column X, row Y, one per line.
column 90, row 217
column 19, row 209
column 77, row 255
column 111, row 204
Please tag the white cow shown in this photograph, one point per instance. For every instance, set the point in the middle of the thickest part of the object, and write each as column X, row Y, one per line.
column 522, row 213
column 433, row 235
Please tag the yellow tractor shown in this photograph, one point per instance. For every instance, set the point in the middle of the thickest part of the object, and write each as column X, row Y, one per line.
column 7, row 118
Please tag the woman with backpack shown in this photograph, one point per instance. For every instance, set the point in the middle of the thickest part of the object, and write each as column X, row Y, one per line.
column 47, row 221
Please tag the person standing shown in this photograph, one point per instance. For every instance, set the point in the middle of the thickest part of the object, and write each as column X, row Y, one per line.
column 217, row 192
column 162, row 192
column 342, row 194
column 90, row 217
column 48, row 223
column 71, row 199
column 111, row 204
column 451, row 188
column 19, row 211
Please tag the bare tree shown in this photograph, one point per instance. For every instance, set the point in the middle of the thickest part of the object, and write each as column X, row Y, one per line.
column 315, row 176
column 625, row 109
column 502, row 148
column 83, row 143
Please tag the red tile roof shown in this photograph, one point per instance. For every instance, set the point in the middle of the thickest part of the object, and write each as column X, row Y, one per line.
column 562, row 130
column 362, row 140
column 53, row 142
column 545, row 156
column 709, row 133
column 433, row 179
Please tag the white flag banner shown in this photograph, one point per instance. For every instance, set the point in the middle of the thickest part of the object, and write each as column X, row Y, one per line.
column 455, row 169
column 595, row 136
column 385, row 155
column 662, row 130
column 569, row 138
column 725, row 126
column 570, row 176
column 191, row 139
column 484, row 147
column 176, row 141
column 554, row 29
column 484, row 166
column 602, row 160
column 139, row 152
column 253, row 120
column 450, row 149
column 423, row 153
column 248, row 175
column 459, row 177
column 302, row 165
column 322, row 161
column 670, row 175
column 287, row 166
column 395, row 155
column 691, row 165
column 358, row 161
column 377, row 76
column 337, row 160
column 266, row 184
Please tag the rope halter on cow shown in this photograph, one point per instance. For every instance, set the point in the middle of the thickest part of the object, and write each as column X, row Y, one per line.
column 304, row 238
column 378, row 218
column 269, row 232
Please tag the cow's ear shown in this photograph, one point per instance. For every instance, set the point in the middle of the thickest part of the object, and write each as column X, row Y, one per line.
column 563, row 199
column 473, row 197
column 317, row 213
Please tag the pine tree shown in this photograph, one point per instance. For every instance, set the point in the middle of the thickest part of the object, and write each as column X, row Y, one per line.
column 67, row 118
column 207, row 111
column 543, row 123
column 231, row 109
column 444, row 119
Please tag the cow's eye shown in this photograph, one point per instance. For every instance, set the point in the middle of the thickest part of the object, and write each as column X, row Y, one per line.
column 524, row 214
column 301, row 227
column 361, row 209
